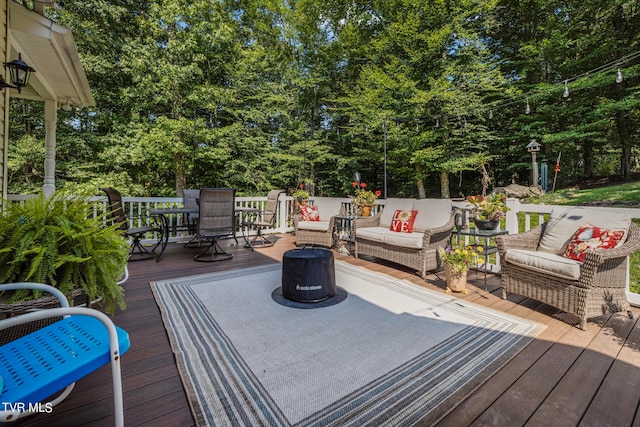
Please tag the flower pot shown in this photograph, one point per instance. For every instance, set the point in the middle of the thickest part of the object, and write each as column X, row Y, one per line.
column 366, row 210
column 486, row 224
column 456, row 280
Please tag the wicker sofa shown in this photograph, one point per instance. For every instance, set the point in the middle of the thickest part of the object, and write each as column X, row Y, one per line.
column 318, row 233
column 417, row 250
column 533, row 265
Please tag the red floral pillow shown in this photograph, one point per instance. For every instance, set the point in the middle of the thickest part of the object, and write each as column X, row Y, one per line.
column 310, row 213
column 402, row 221
column 590, row 237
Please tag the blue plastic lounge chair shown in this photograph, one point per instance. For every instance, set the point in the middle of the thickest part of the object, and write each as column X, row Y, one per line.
column 49, row 360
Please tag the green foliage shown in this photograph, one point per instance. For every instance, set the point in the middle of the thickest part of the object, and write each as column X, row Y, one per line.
column 57, row 241
column 284, row 92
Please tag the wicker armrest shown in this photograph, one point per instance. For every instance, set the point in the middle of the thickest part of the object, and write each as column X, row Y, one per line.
column 372, row 221
column 528, row 240
column 438, row 235
column 594, row 258
column 296, row 219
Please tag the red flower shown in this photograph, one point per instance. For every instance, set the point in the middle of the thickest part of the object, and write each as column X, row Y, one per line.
column 378, row 193
column 354, row 184
column 363, row 185
column 301, row 186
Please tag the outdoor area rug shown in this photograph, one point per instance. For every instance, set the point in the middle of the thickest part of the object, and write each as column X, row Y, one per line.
column 391, row 353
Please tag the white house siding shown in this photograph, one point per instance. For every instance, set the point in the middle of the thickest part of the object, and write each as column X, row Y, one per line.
column 4, row 143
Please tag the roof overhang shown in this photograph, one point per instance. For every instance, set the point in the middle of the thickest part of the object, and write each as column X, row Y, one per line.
column 50, row 49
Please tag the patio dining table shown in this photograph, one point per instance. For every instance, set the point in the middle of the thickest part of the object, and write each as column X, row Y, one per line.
column 164, row 213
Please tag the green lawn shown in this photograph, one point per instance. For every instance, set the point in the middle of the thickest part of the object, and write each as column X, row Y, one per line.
column 627, row 192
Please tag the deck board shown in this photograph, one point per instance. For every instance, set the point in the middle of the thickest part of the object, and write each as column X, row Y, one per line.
column 614, row 403
column 564, row 377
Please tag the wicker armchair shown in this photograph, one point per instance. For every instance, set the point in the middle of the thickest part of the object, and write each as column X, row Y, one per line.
column 598, row 289
column 319, row 233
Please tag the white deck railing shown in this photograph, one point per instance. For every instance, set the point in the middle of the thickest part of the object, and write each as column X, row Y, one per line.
column 136, row 206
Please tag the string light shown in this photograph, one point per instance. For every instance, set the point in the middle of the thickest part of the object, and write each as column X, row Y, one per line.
column 603, row 68
column 613, row 65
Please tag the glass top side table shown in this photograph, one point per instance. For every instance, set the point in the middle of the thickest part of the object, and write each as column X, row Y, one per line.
column 482, row 239
column 343, row 229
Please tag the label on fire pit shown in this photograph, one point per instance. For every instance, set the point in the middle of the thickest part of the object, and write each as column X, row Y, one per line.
column 308, row 288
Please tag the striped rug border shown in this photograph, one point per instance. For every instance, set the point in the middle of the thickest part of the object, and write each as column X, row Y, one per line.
column 222, row 390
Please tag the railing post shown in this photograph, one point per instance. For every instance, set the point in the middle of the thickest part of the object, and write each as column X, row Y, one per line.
column 283, row 212
column 512, row 215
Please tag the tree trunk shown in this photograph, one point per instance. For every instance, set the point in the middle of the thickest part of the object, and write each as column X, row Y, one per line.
column 181, row 178
column 444, row 185
column 625, row 144
column 587, row 156
column 420, row 182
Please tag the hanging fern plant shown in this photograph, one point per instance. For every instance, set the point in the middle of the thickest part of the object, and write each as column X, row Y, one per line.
column 57, row 241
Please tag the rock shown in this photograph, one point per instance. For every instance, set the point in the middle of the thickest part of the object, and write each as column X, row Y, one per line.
column 519, row 191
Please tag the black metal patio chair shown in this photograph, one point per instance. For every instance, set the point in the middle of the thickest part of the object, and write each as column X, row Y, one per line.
column 147, row 225
column 260, row 220
column 216, row 220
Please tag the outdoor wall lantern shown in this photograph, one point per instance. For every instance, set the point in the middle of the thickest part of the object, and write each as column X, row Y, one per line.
column 533, row 147
column 20, row 73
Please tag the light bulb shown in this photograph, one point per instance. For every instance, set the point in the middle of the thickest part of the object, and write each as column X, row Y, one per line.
column 527, row 109
column 619, row 77
column 566, row 90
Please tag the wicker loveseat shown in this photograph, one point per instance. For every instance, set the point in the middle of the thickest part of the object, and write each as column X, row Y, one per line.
column 417, row 250
column 533, row 264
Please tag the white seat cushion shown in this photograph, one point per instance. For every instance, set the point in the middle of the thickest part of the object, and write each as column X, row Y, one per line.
column 545, row 262
column 390, row 207
column 405, row 240
column 563, row 224
column 371, row 233
column 432, row 213
column 384, row 235
column 313, row 225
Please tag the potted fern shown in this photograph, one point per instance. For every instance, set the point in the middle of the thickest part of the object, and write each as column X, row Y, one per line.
column 58, row 241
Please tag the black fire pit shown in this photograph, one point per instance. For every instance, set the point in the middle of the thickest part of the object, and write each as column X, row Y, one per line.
column 308, row 275
column 308, row 279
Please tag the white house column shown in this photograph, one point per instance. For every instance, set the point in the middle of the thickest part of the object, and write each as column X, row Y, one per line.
column 50, row 118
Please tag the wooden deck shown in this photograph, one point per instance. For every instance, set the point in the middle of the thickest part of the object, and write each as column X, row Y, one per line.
column 565, row 377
